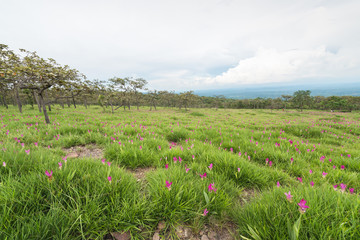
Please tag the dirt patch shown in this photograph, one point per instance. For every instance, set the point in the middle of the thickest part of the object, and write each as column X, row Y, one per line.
column 140, row 173
column 87, row 151
column 225, row 232
column 247, row 195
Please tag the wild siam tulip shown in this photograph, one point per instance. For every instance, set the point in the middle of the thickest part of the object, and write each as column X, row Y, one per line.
column 202, row 176
column 205, row 212
column 49, row 174
column 211, row 187
column 289, row 196
column 168, row 185
column 302, row 206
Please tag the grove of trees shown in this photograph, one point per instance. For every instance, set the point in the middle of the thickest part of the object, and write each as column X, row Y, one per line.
column 27, row 78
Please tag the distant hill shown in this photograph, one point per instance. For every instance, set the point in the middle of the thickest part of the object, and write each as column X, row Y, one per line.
column 276, row 90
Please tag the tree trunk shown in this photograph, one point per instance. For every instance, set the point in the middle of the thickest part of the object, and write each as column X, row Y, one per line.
column 49, row 106
column 112, row 108
column 72, row 94
column 4, row 102
column 18, row 98
column 62, row 105
column 85, row 103
column 47, row 120
column 37, row 100
column 68, row 102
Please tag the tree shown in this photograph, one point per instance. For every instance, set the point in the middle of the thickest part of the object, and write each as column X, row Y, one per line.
column 286, row 99
column 301, row 98
column 135, row 85
column 38, row 74
column 9, row 63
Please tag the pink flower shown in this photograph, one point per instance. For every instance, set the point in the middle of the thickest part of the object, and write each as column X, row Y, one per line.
column 166, row 166
column 175, row 159
column 159, row 147
column 202, row 176
column 292, row 160
column 49, row 174
column 312, row 183
column 266, row 161
column 300, row 179
column 278, row 184
column 324, row 174
column 109, row 163
column 65, row 159
column 27, row 152
column 109, row 179
column 168, row 185
column 211, row 187
column 60, row 165
column 205, row 212
column 193, row 157
column 187, row 170
column 343, row 187
column 342, row 167
column 270, row 163
column 351, row 190
column 334, row 167
column 302, row 206
column 210, row 166
column 103, row 161
column 140, row 147
column 238, row 169
column 310, row 171
column 288, row 196
column 335, row 187
column 36, row 144
column 180, row 160
column 4, row 164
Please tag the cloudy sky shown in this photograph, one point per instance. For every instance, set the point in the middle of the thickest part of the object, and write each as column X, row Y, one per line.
column 192, row 44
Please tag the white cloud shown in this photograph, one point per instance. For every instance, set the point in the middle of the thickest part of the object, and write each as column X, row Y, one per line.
column 175, row 44
column 271, row 65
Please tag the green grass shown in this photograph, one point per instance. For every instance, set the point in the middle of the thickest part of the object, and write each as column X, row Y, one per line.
column 79, row 202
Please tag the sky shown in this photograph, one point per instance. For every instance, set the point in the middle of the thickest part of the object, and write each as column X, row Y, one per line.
column 192, row 44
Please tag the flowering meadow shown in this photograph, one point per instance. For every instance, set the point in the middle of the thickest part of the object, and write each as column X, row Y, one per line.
column 267, row 174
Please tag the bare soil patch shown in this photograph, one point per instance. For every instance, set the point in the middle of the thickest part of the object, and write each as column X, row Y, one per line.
column 225, row 232
column 140, row 173
column 87, row 151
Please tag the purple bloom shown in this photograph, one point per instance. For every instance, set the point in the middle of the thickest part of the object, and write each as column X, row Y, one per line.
column 288, row 196
column 210, row 166
column 351, row 190
column 312, row 183
column 343, row 187
column 302, row 206
column 205, row 212
column 49, row 174
column 109, row 179
column 168, row 185
column 202, row 176
column 278, row 184
column 211, row 187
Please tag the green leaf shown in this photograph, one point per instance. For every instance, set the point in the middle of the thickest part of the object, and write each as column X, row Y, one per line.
column 207, row 200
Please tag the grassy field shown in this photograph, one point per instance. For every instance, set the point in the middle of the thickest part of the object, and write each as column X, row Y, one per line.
column 91, row 173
